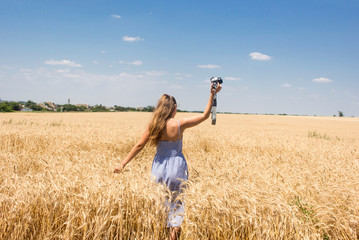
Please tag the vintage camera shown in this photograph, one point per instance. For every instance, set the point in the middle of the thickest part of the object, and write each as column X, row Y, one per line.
column 216, row 81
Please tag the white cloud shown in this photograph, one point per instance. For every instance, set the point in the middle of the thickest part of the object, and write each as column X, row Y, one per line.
column 155, row 73
column 287, row 85
column 322, row 80
column 136, row 63
column 232, row 78
column 103, row 51
column 35, row 75
column 302, row 89
column 259, row 56
column 68, row 63
column 131, row 76
column 67, row 76
column 95, row 62
column 209, row 66
column 116, row 16
column 131, row 39
column 63, row 70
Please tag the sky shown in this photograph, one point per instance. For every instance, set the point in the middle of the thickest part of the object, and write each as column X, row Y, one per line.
column 275, row 57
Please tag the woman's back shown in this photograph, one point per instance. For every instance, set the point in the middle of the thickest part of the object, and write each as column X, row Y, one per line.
column 172, row 132
column 170, row 144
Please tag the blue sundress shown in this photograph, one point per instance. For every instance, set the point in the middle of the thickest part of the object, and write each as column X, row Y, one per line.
column 170, row 168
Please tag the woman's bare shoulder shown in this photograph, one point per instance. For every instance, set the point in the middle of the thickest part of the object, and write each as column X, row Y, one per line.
column 171, row 131
column 172, row 124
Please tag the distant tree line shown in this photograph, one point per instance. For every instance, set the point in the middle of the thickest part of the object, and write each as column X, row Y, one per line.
column 10, row 106
column 132, row 109
column 7, row 106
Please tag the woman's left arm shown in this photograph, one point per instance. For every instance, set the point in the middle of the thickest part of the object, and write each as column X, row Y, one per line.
column 134, row 151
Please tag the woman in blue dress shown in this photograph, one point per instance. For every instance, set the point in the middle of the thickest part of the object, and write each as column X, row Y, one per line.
column 169, row 165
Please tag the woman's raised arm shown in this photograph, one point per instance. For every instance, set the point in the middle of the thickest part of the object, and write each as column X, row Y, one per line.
column 195, row 120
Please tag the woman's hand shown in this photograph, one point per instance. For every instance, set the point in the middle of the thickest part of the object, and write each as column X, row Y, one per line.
column 215, row 90
column 118, row 169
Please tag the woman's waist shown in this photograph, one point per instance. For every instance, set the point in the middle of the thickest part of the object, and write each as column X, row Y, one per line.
column 170, row 160
column 168, row 152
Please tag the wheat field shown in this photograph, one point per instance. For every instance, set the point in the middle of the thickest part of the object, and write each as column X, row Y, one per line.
column 250, row 177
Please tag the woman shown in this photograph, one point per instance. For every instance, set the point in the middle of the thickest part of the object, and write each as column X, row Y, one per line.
column 169, row 165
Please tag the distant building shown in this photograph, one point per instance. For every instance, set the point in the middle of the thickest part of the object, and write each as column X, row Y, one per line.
column 42, row 105
column 51, row 105
column 48, row 106
column 139, row 108
column 26, row 109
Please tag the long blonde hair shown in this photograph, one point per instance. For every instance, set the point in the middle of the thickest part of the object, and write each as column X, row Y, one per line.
column 166, row 105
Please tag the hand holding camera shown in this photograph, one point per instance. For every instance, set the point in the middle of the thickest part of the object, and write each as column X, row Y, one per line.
column 216, row 85
column 215, row 88
column 216, row 81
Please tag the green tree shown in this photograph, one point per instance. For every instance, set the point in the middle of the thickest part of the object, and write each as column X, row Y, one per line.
column 33, row 105
column 99, row 108
column 69, row 108
column 37, row 108
column 29, row 103
column 15, row 106
column 5, row 107
column 340, row 114
column 81, row 108
column 148, row 109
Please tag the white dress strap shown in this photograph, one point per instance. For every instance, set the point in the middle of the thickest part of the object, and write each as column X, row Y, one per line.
column 179, row 130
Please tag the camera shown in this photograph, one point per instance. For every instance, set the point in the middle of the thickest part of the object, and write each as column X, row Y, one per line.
column 216, row 81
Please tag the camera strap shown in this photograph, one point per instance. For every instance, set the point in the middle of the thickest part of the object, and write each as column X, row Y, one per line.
column 214, row 110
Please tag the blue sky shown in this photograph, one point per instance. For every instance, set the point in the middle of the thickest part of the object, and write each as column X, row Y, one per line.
column 293, row 57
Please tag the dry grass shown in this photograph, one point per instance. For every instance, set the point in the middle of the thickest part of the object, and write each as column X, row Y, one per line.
column 251, row 177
